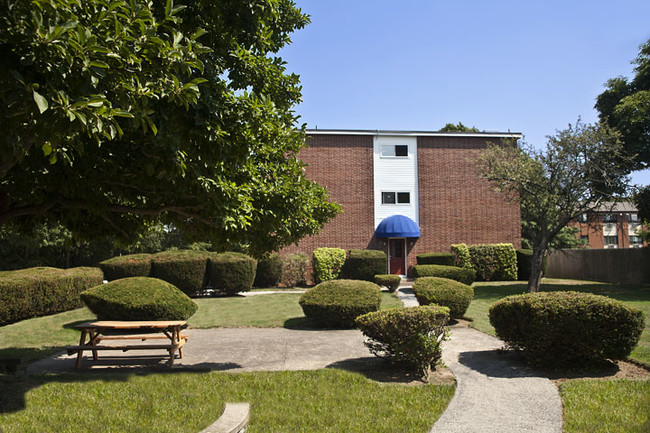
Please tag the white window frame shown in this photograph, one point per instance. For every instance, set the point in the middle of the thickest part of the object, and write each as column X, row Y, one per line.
column 385, row 151
column 396, row 199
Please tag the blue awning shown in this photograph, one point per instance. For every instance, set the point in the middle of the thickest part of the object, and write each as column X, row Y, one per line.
column 397, row 226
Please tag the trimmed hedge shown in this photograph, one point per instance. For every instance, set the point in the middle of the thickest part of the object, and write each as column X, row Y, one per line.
column 132, row 265
column 364, row 265
column 269, row 271
column 461, row 253
column 465, row 276
column 411, row 335
column 231, row 273
column 442, row 291
column 391, row 282
column 36, row 292
column 294, row 270
column 338, row 303
column 565, row 328
column 494, row 262
column 524, row 258
column 185, row 269
column 327, row 263
column 138, row 298
column 447, row 259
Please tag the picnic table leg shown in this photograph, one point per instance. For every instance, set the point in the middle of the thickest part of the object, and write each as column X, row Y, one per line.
column 178, row 340
column 93, row 342
column 82, row 341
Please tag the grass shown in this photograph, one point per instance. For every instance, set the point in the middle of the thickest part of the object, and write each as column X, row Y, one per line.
column 487, row 293
column 36, row 338
column 606, row 406
column 326, row 400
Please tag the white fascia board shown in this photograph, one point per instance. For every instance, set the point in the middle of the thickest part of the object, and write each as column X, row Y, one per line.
column 413, row 133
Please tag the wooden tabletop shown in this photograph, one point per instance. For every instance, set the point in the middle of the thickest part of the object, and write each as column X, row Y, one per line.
column 114, row 324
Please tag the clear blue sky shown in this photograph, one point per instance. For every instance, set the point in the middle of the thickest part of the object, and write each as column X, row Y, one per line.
column 524, row 66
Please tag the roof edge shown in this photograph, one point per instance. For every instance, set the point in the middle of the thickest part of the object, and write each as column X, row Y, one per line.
column 379, row 132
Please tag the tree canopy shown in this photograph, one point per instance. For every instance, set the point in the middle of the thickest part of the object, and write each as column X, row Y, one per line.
column 450, row 127
column 625, row 106
column 120, row 114
column 581, row 167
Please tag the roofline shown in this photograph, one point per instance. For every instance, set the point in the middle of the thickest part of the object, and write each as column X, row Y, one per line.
column 379, row 132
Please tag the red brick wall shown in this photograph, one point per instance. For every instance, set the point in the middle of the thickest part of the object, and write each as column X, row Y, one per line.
column 455, row 205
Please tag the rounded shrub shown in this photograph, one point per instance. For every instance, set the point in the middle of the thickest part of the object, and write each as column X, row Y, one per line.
column 327, row 263
column 391, row 282
column 269, row 271
column 364, row 264
column 138, row 298
column 446, row 259
column 465, row 276
column 338, row 302
column 185, row 269
column 294, row 269
column 564, row 328
column 231, row 273
column 443, row 291
column 411, row 335
column 132, row 265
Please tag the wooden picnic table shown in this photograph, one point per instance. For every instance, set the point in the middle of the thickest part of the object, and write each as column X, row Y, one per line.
column 94, row 333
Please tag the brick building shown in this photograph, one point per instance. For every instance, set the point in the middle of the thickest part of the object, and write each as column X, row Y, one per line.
column 426, row 180
column 613, row 225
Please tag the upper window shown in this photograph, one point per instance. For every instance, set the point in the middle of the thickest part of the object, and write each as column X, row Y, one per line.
column 633, row 217
column 582, row 217
column 395, row 197
column 395, row 150
column 609, row 218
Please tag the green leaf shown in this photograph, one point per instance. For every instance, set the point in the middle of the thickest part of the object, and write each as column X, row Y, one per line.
column 47, row 148
column 99, row 64
column 41, row 102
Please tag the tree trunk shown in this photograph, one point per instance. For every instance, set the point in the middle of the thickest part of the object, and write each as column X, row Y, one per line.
column 536, row 262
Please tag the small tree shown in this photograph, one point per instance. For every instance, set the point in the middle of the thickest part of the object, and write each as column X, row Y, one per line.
column 581, row 167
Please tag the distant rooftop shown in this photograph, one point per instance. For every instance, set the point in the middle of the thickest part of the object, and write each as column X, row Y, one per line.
column 621, row 206
column 508, row 134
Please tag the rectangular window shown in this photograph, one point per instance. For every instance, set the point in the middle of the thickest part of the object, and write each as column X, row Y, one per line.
column 611, row 241
column 636, row 240
column 584, row 239
column 387, row 198
column 609, row 218
column 390, row 197
column 582, row 218
column 395, row 150
column 633, row 217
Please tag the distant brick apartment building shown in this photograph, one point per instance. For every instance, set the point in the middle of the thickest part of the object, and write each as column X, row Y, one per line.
column 611, row 226
column 407, row 193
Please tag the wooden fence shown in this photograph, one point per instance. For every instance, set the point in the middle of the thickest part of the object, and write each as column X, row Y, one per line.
column 630, row 265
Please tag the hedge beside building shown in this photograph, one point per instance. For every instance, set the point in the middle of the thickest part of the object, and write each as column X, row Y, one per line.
column 364, row 265
column 36, row 292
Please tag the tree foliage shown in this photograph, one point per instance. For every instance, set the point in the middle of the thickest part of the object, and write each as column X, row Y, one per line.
column 450, row 127
column 581, row 167
column 625, row 106
column 118, row 114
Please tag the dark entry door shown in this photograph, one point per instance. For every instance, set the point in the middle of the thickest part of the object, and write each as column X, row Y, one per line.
column 396, row 256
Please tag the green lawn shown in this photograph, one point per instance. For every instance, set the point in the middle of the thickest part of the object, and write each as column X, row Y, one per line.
column 606, row 406
column 39, row 337
column 326, row 400
column 487, row 293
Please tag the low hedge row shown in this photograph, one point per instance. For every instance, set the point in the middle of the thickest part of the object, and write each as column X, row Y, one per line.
column 327, row 263
column 338, row 303
column 269, row 271
column 494, row 262
column 446, row 259
column 190, row 271
column 391, row 282
column 442, row 291
column 567, row 328
column 465, row 276
column 35, row 292
column 364, row 264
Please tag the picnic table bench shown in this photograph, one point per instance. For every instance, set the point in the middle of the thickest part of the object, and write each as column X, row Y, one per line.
column 94, row 333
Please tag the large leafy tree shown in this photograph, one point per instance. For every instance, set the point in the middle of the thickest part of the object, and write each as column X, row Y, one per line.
column 120, row 114
column 581, row 167
column 625, row 106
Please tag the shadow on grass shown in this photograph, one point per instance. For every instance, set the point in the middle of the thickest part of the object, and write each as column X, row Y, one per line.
column 379, row 370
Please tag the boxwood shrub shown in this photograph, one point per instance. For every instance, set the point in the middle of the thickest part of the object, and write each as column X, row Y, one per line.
column 465, row 276
column 132, row 265
column 567, row 328
column 231, row 273
column 138, row 298
column 35, row 292
column 443, row 291
column 364, row 264
column 412, row 335
column 447, row 259
column 294, row 269
column 391, row 282
column 185, row 269
column 327, row 263
column 269, row 271
column 494, row 262
column 461, row 253
column 337, row 303
column 524, row 257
